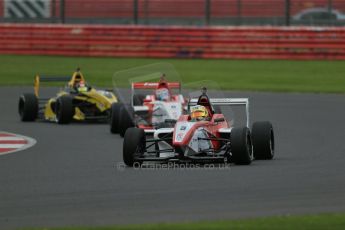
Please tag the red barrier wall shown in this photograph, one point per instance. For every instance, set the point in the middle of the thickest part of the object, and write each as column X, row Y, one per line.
column 174, row 42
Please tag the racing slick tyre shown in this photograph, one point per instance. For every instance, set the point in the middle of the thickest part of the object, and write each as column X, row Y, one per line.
column 138, row 99
column 64, row 110
column 115, row 117
column 28, row 107
column 126, row 119
column 241, row 146
column 263, row 140
column 133, row 146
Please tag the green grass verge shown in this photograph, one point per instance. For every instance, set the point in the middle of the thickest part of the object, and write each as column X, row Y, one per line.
column 310, row 222
column 253, row 75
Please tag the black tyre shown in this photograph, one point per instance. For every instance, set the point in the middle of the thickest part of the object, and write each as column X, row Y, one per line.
column 241, row 146
column 133, row 146
column 115, row 117
column 28, row 107
column 263, row 140
column 64, row 110
column 126, row 119
column 138, row 99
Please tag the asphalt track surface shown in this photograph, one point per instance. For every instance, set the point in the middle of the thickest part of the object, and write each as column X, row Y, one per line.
column 70, row 178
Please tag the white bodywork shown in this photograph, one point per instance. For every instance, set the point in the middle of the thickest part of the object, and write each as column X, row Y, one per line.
column 200, row 145
column 182, row 129
column 195, row 143
column 163, row 144
column 165, row 110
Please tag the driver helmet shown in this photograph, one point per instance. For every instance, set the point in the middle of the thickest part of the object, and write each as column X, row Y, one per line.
column 77, row 80
column 81, row 87
column 163, row 94
column 199, row 112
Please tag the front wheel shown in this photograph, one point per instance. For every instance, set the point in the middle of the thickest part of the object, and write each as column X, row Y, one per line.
column 64, row 109
column 263, row 140
column 28, row 107
column 133, row 145
column 241, row 146
column 115, row 117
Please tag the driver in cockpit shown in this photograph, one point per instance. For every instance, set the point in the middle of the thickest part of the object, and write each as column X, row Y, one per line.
column 198, row 113
column 81, row 87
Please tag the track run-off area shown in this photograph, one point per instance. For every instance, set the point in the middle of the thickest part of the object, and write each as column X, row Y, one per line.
column 74, row 176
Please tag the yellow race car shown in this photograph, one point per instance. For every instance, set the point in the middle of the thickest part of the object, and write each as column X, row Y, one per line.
column 76, row 101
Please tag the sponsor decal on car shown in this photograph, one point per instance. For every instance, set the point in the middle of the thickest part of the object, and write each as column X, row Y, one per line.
column 182, row 129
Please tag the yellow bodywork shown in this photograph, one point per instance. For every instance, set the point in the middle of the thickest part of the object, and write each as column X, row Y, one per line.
column 101, row 99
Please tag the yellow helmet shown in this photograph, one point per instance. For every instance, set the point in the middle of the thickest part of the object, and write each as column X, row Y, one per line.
column 198, row 112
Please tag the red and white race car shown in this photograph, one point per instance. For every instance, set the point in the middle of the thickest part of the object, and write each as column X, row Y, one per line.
column 202, row 135
column 149, row 112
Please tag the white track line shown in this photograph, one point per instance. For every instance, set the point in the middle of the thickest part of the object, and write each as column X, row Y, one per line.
column 11, row 146
column 12, row 138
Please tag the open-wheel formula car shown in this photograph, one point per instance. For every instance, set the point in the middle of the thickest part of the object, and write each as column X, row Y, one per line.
column 202, row 136
column 77, row 101
column 149, row 112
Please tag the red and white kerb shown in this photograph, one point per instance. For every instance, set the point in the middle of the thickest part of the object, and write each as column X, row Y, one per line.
column 10, row 142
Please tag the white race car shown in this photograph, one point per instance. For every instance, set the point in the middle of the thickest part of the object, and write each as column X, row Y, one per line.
column 149, row 112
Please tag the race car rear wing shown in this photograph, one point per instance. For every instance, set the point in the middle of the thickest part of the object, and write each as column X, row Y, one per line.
column 69, row 79
column 154, row 85
column 226, row 101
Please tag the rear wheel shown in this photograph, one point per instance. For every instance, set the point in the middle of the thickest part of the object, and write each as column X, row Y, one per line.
column 126, row 119
column 115, row 117
column 28, row 107
column 133, row 145
column 263, row 140
column 241, row 146
column 64, row 110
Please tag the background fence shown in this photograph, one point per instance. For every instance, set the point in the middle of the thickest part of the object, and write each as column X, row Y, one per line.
column 176, row 12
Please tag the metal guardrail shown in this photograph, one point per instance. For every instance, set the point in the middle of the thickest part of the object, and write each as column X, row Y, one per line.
column 176, row 12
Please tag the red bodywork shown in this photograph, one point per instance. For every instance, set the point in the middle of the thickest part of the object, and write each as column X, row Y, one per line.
column 211, row 126
column 186, row 128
